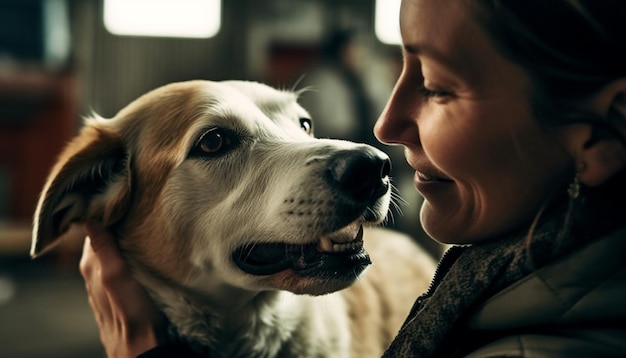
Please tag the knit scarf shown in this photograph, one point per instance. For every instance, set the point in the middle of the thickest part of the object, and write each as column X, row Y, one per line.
column 466, row 276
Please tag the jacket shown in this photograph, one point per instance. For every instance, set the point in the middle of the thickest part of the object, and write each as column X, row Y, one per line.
column 572, row 306
column 575, row 307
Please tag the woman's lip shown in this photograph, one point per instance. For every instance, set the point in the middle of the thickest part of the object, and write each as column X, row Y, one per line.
column 425, row 178
column 430, row 186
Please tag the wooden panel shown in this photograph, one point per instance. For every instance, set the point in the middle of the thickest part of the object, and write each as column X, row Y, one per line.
column 38, row 115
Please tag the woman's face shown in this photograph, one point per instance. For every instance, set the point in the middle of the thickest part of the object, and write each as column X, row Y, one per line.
column 482, row 161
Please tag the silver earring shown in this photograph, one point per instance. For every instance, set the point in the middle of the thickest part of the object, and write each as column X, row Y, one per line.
column 574, row 187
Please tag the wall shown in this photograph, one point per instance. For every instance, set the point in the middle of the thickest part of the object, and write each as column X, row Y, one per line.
column 272, row 41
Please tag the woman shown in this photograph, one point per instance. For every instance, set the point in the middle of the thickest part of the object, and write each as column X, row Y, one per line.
column 501, row 106
column 513, row 116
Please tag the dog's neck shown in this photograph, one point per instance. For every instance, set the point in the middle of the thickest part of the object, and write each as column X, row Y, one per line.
column 242, row 323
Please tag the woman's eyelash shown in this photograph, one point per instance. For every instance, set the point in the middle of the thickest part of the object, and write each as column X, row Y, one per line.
column 429, row 93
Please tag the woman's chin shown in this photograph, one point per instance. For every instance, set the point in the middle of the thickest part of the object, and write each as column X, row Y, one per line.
column 444, row 228
column 432, row 224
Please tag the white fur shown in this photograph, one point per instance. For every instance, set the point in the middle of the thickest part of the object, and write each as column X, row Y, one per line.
column 180, row 218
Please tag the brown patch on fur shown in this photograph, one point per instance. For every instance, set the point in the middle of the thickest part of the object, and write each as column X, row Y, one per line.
column 143, row 121
column 82, row 169
column 174, row 110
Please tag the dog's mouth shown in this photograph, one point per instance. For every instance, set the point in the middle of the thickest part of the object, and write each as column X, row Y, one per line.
column 335, row 254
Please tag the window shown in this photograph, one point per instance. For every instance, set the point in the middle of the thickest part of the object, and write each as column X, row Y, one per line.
column 387, row 24
column 163, row 18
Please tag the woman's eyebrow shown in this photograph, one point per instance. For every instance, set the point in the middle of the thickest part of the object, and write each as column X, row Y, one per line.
column 433, row 53
column 461, row 67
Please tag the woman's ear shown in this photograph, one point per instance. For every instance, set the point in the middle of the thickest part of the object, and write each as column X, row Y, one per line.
column 602, row 153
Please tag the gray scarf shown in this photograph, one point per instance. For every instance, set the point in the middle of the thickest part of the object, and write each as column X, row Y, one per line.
column 466, row 276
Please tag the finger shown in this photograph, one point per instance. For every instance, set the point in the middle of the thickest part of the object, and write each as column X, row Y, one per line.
column 104, row 248
column 124, row 292
column 85, row 266
column 101, row 239
column 101, row 307
column 91, row 270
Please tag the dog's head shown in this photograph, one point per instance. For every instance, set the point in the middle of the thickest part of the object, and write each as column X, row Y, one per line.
column 213, row 184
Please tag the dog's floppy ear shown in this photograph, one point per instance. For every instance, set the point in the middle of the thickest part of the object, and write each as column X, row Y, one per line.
column 91, row 181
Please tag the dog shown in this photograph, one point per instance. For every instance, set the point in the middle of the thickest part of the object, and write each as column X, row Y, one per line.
column 255, row 238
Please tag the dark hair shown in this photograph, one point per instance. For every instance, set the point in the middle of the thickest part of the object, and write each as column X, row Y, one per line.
column 571, row 49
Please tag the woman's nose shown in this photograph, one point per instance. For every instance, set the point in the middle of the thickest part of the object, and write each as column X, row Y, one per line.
column 396, row 124
column 383, row 125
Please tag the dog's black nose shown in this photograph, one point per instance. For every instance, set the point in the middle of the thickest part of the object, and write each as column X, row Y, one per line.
column 362, row 174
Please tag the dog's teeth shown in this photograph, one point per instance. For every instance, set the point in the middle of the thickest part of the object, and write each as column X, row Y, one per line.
column 346, row 247
column 343, row 237
column 341, row 241
column 325, row 245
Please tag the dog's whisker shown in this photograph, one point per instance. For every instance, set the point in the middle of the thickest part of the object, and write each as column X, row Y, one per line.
column 389, row 219
column 396, row 197
column 247, row 251
column 397, row 202
column 395, row 206
column 297, row 83
column 356, row 275
column 250, row 250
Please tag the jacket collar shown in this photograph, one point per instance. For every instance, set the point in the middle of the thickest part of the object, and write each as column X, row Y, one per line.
column 584, row 285
column 469, row 275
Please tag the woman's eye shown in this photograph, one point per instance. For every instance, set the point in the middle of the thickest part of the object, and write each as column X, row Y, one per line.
column 431, row 93
column 214, row 141
column 307, row 125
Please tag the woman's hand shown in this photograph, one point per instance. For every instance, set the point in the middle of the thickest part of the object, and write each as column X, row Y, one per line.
column 128, row 320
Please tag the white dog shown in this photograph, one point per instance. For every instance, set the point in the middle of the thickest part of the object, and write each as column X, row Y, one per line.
column 244, row 228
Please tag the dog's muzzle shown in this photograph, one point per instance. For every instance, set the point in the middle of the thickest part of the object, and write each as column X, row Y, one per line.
column 358, row 178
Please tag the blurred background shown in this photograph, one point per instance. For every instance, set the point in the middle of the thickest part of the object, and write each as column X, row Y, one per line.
column 61, row 60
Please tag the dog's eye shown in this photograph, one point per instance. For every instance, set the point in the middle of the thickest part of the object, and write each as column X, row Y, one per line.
column 214, row 141
column 307, row 125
